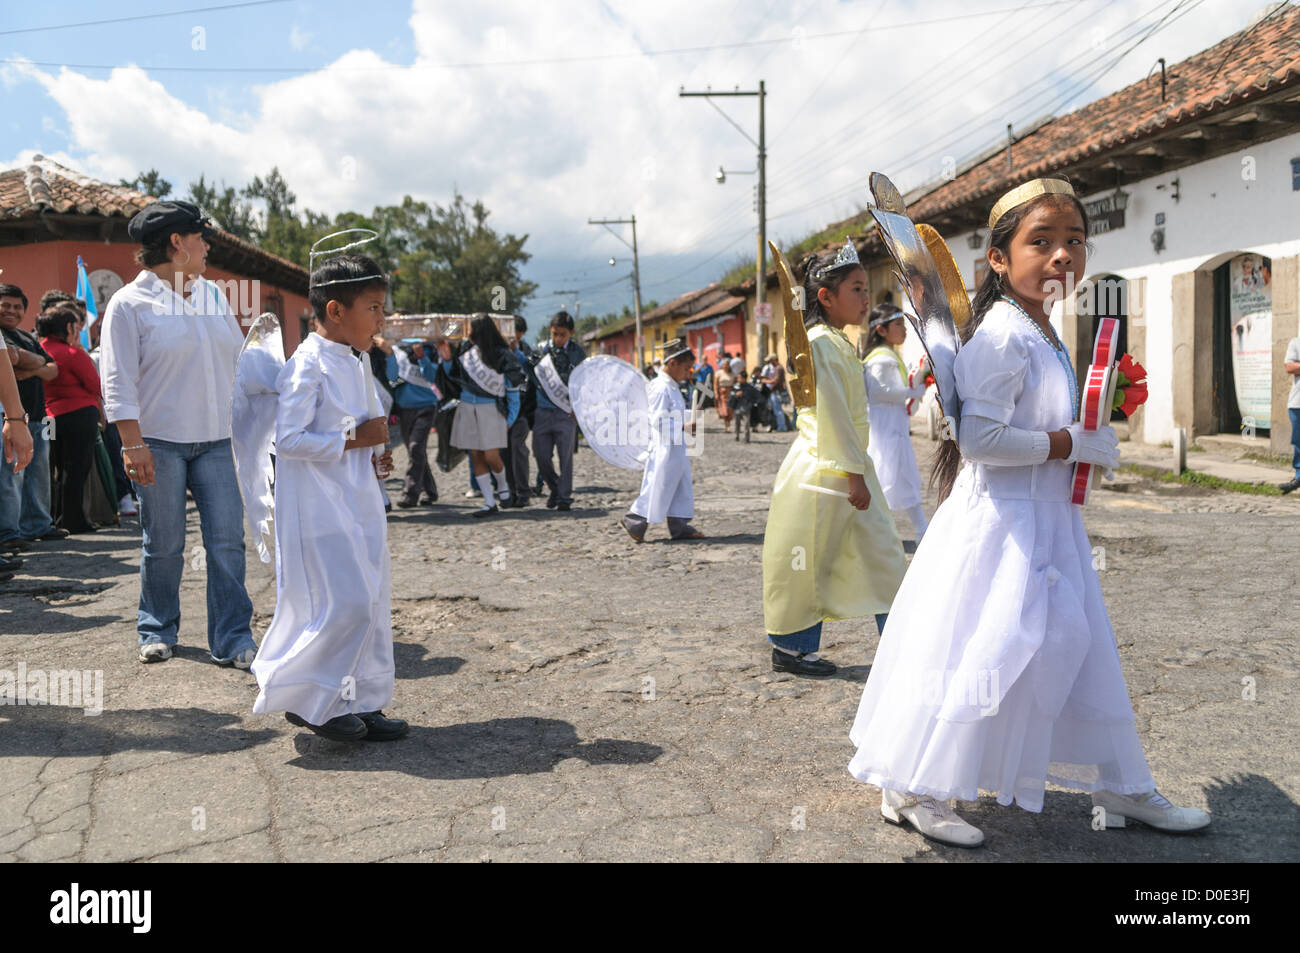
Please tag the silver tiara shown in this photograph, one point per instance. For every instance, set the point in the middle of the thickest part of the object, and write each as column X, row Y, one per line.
column 848, row 255
column 323, row 252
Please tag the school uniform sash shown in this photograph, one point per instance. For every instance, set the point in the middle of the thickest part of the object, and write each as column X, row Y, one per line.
column 552, row 384
column 492, row 383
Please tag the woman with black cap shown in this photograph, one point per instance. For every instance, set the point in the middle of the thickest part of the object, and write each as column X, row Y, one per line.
column 168, row 368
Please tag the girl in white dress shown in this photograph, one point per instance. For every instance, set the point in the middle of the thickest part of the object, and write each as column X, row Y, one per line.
column 888, row 396
column 998, row 670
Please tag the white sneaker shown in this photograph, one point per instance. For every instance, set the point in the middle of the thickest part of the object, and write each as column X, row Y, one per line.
column 126, row 506
column 155, row 652
column 1152, row 809
column 934, row 819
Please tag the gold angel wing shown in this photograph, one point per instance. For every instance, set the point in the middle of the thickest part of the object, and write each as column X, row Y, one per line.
column 802, row 381
column 953, row 286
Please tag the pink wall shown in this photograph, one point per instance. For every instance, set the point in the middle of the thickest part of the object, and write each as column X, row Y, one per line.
column 36, row 268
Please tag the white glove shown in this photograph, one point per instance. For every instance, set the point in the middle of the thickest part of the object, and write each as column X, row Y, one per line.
column 1099, row 447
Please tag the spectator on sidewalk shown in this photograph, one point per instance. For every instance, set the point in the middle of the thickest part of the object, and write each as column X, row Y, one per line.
column 73, row 400
column 169, row 377
column 773, row 375
column 1293, row 411
column 25, row 495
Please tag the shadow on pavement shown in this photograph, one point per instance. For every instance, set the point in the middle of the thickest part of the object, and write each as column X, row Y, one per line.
column 57, row 732
column 1250, row 812
column 409, row 659
column 484, row 749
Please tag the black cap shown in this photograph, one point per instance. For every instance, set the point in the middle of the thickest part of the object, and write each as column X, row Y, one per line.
column 167, row 217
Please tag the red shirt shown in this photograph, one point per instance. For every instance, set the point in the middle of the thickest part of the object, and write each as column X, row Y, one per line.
column 76, row 386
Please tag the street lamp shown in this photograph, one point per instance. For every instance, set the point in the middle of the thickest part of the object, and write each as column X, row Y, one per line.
column 636, row 272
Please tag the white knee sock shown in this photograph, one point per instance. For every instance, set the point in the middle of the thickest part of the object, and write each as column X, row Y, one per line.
column 919, row 524
column 484, row 481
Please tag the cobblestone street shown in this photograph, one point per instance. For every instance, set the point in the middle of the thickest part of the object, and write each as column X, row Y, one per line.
column 574, row 696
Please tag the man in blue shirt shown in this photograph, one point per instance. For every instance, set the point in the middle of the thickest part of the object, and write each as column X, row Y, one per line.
column 416, row 405
column 555, row 427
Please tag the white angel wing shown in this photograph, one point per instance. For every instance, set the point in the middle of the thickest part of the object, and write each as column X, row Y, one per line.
column 253, row 426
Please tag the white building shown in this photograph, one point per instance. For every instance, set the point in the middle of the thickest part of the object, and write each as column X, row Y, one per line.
column 1195, row 206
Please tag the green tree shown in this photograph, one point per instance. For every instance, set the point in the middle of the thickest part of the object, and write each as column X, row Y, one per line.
column 228, row 209
column 149, row 183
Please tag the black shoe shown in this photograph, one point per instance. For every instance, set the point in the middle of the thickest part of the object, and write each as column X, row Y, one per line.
column 798, row 665
column 342, row 728
column 55, row 532
column 16, row 545
column 563, row 507
column 379, row 728
column 405, row 503
column 10, row 564
column 1288, row 487
column 519, row 502
column 552, row 501
column 5, row 576
column 487, row 511
column 537, row 490
column 429, row 499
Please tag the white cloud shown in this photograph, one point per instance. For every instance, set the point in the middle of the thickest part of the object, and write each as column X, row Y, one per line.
column 547, row 145
column 299, row 38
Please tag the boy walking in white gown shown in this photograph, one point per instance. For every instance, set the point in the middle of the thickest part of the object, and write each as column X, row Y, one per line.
column 327, row 659
column 666, row 491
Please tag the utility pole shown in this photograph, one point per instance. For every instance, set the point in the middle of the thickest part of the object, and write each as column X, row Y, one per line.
column 636, row 273
column 760, row 286
column 577, row 305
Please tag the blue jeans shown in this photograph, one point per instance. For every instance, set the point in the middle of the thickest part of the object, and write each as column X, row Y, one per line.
column 1294, row 414
column 25, row 496
column 208, row 471
column 777, row 413
column 810, row 639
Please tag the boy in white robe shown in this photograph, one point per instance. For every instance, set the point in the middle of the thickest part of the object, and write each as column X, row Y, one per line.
column 327, row 659
column 666, row 491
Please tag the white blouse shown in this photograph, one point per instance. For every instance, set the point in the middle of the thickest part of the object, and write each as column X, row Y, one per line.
column 169, row 362
column 1013, row 391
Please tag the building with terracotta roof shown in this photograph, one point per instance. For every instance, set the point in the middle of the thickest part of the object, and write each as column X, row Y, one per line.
column 1192, row 181
column 50, row 214
column 711, row 319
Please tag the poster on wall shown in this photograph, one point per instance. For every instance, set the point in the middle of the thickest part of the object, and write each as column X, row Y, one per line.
column 1250, row 302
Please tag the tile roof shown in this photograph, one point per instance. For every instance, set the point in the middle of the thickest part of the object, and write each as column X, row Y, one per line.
column 46, row 187
column 1212, row 105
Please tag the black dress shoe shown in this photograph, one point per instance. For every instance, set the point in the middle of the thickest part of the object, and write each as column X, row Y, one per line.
column 10, row 564
column 519, row 502
column 563, row 507
column 552, row 501
column 5, row 576
column 1289, row 486
column 16, row 545
column 55, row 532
column 429, row 499
column 798, row 665
column 379, row 728
column 485, row 511
column 405, row 503
column 342, row 728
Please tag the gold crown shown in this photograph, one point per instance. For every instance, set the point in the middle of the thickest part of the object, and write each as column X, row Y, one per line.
column 1027, row 193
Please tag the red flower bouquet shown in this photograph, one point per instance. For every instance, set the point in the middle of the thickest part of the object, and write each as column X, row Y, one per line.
column 1130, row 386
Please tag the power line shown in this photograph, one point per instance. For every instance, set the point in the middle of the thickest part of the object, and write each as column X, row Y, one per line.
column 142, row 16
column 542, row 61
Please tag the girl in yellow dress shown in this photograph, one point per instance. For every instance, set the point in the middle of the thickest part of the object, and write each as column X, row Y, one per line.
column 831, row 550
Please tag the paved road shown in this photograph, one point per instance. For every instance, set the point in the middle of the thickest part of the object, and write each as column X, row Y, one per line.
column 574, row 696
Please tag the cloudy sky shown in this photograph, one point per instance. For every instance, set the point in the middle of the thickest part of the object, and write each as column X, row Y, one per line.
column 555, row 112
